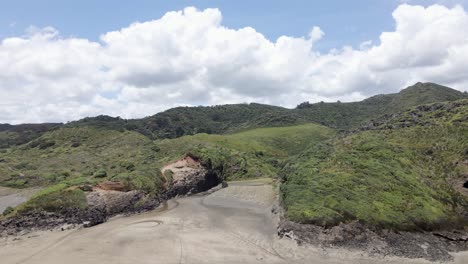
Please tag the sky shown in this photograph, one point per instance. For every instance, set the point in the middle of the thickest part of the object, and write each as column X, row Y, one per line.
column 65, row 60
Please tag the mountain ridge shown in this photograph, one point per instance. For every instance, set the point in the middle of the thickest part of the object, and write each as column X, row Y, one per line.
column 225, row 119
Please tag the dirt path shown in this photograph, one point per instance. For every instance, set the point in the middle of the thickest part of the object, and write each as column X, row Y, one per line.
column 231, row 225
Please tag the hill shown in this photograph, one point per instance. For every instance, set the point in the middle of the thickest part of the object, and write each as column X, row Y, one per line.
column 219, row 119
column 225, row 119
column 70, row 157
column 80, row 154
column 181, row 121
column 399, row 169
column 405, row 172
column 13, row 135
column 351, row 115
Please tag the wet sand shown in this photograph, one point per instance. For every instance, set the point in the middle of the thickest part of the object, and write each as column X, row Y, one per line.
column 13, row 197
column 231, row 225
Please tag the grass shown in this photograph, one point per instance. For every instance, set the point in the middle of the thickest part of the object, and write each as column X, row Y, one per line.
column 65, row 200
column 102, row 154
column 391, row 178
column 251, row 154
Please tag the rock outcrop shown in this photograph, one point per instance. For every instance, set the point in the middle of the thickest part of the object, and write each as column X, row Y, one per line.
column 190, row 176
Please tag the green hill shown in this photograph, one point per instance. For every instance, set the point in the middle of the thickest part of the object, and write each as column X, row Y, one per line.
column 73, row 156
column 13, row 135
column 250, row 154
column 225, row 119
column 399, row 163
column 79, row 155
column 402, row 173
column 350, row 115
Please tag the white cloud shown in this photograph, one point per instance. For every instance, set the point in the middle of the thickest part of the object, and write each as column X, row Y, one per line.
column 189, row 58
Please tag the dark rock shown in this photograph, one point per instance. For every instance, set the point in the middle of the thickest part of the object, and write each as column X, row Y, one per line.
column 430, row 246
column 86, row 188
column 195, row 182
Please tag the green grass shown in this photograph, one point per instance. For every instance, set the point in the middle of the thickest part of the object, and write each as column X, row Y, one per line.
column 250, row 154
column 65, row 200
column 101, row 154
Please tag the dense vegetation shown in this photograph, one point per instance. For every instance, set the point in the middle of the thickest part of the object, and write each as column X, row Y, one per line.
column 16, row 135
column 351, row 115
column 224, row 119
column 221, row 119
column 399, row 174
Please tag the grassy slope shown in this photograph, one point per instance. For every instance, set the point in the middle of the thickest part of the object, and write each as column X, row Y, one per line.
column 398, row 175
column 71, row 156
column 253, row 153
column 79, row 155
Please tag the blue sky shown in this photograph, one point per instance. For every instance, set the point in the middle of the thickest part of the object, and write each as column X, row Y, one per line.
column 344, row 22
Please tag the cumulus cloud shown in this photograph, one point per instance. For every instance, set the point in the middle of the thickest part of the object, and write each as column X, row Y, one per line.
column 189, row 58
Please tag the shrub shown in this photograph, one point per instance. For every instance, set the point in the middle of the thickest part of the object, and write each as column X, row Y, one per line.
column 8, row 211
column 46, row 144
column 18, row 183
column 101, row 173
column 168, row 174
column 56, row 201
column 146, row 181
column 155, row 148
column 129, row 166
